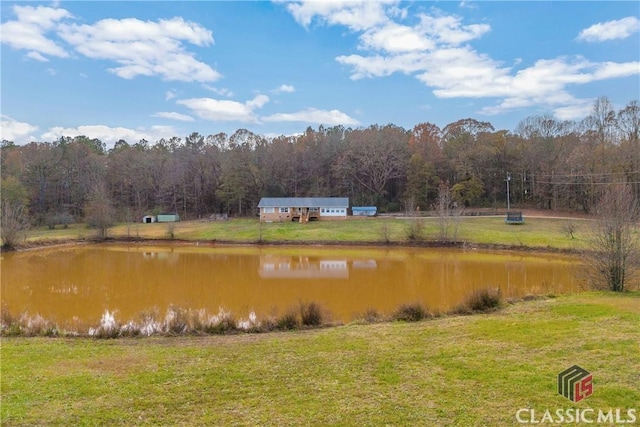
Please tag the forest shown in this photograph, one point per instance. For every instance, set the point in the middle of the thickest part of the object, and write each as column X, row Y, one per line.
column 548, row 164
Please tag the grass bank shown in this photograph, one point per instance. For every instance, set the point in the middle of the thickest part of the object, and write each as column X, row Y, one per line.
column 537, row 233
column 457, row 370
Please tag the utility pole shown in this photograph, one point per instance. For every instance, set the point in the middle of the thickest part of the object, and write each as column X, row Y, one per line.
column 508, row 201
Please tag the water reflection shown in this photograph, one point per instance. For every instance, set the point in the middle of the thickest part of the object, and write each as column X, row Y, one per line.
column 78, row 284
column 302, row 267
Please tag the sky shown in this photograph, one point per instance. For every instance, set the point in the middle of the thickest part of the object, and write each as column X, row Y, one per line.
column 149, row 70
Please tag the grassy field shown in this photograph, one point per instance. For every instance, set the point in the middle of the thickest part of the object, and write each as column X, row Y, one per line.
column 458, row 370
column 545, row 233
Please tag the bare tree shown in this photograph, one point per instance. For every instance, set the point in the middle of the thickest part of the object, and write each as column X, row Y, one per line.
column 614, row 240
column 14, row 224
column 448, row 213
column 14, row 220
column 99, row 210
column 375, row 157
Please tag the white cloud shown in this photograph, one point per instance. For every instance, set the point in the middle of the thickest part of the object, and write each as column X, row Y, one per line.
column 579, row 110
column 258, row 102
column 449, row 30
column 137, row 47
column 611, row 30
column 18, row 132
column 28, row 31
column 393, row 37
column 467, row 5
column 312, row 115
column 437, row 52
column 37, row 56
column 380, row 65
column 225, row 110
column 285, row 88
column 109, row 135
column 169, row 95
column 219, row 91
column 357, row 15
column 462, row 72
column 545, row 84
column 174, row 116
column 144, row 47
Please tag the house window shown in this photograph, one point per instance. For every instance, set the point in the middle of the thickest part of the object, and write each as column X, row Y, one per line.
column 322, row 210
column 284, row 210
column 269, row 210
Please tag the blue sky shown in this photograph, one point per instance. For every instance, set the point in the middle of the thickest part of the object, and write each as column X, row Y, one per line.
column 132, row 70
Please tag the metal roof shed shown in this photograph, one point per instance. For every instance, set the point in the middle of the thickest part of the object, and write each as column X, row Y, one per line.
column 364, row 210
column 166, row 217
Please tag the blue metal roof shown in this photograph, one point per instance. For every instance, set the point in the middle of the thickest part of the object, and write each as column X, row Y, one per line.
column 304, row 202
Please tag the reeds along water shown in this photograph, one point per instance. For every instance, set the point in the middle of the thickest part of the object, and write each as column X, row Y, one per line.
column 178, row 321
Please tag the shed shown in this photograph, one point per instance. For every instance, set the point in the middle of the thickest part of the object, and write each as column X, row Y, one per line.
column 167, row 217
column 364, row 210
column 302, row 209
column 148, row 219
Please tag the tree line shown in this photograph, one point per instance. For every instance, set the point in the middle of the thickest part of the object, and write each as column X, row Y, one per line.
column 549, row 164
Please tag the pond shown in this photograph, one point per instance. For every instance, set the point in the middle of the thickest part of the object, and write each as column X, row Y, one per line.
column 76, row 285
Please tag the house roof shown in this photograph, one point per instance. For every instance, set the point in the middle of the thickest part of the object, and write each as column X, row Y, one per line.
column 304, row 202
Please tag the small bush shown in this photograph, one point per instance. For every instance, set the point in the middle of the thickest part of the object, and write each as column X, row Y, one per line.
column 311, row 314
column 415, row 230
column 268, row 324
column 569, row 228
column 385, row 233
column 411, row 313
column 225, row 325
column 287, row 322
column 5, row 316
column 130, row 330
column 176, row 321
column 251, row 324
column 108, row 328
column 171, row 231
column 372, row 316
column 480, row 301
column 223, row 322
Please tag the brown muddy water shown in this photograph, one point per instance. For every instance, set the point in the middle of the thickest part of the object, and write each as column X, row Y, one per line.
column 74, row 286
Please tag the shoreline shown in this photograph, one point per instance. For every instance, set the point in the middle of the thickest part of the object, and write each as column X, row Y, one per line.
column 52, row 243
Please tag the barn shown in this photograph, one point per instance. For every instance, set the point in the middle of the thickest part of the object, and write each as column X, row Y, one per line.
column 163, row 217
column 168, row 217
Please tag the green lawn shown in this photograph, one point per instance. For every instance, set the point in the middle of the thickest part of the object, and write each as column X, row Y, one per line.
column 458, row 370
column 542, row 233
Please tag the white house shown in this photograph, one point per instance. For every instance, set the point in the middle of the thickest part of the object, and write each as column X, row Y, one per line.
column 302, row 209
